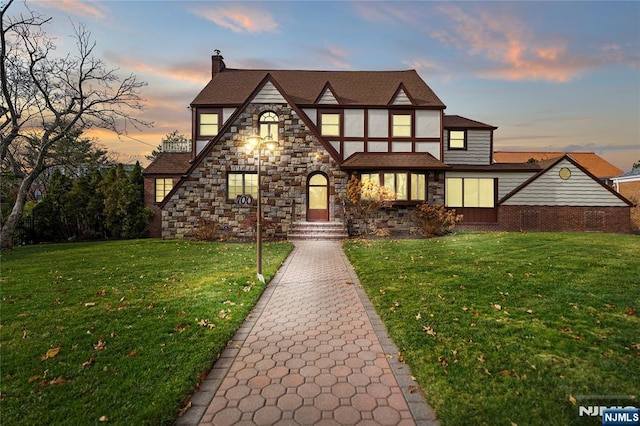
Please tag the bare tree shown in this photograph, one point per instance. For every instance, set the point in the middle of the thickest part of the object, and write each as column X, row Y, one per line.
column 48, row 98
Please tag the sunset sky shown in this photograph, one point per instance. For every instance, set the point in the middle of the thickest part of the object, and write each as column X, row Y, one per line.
column 554, row 76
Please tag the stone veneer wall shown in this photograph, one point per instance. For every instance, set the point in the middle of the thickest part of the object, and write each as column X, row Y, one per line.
column 203, row 195
column 396, row 219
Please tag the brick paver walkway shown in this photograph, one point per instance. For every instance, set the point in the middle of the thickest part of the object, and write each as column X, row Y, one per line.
column 313, row 353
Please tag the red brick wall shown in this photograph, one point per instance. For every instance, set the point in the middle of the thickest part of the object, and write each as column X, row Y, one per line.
column 155, row 225
column 564, row 218
column 631, row 191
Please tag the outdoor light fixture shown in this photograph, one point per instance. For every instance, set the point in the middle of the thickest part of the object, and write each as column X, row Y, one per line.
column 257, row 143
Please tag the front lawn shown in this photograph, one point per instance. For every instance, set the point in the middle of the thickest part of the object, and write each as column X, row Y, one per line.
column 511, row 328
column 118, row 331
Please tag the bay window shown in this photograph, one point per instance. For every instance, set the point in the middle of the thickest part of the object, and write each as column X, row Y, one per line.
column 407, row 186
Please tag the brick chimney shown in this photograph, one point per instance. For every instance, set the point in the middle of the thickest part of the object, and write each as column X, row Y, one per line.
column 217, row 63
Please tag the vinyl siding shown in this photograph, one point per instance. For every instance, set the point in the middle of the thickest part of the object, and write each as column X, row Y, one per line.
column 551, row 190
column 269, row 95
column 478, row 150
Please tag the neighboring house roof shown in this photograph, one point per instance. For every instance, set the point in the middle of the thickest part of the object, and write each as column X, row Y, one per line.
column 631, row 175
column 363, row 88
column 169, row 163
column 541, row 191
column 595, row 164
column 387, row 161
column 456, row 121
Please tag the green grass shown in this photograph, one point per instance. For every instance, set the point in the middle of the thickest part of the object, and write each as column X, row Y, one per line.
column 130, row 320
column 509, row 327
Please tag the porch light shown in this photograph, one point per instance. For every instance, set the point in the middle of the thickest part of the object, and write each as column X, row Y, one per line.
column 257, row 144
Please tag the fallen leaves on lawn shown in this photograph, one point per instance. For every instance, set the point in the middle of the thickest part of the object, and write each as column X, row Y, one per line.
column 205, row 323
column 89, row 304
column 51, row 353
column 413, row 389
column 184, row 409
column 629, row 311
column 103, row 419
column 572, row 400
column 88, row 363
column 497, row 307
column 443, row 361
column 58, row 381
column 418, row 316
column 100, row 345
column 430, row 331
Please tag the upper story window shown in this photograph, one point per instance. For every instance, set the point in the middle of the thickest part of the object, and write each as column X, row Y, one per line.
column 330, row 124
column 457, row 139
column 208, row 123
column 163, row 187
column 269, row 125
column 401, row 125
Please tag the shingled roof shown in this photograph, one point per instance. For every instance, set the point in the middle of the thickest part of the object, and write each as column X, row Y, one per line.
column 456, row 121
column 595, row 164
column 394, row 160
column 355, row 88
column 169, row 163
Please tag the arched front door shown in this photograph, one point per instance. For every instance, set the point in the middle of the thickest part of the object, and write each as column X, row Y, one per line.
column 317, row 198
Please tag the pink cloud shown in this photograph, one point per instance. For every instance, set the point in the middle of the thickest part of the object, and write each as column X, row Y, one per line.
column 76, row 7
column 239, row 18
column 191, row 73
column 512, row 50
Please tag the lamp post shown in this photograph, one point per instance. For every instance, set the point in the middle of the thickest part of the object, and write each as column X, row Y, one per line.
column 256, row 142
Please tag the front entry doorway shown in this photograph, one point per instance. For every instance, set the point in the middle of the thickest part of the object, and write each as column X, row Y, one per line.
column 317, row 198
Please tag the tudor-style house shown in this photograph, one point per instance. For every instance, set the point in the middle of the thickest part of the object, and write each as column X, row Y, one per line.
column 386, row 126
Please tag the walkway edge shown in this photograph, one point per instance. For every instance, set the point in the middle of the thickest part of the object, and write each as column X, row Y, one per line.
column 422, row 412
column 203, row 396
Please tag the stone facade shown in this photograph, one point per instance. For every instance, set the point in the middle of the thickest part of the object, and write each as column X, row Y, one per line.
column 203, row 195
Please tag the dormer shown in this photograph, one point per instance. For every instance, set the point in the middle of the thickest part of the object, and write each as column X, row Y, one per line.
column 467, row 142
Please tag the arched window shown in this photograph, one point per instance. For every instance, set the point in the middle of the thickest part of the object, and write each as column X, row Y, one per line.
column 269, row 125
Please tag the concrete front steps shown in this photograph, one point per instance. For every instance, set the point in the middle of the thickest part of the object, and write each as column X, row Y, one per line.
column 300, row 231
